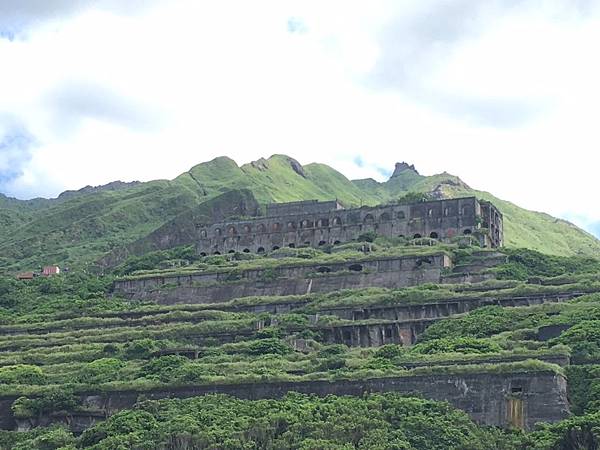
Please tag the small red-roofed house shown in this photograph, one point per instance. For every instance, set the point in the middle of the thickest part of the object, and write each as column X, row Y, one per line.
column 49, row 271
column 25, row 276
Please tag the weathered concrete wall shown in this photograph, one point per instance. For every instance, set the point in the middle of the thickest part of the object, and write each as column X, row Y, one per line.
column 214, row 287
column 301, row 207
column 486, row 397
column 438, row 219
column 7, row 420
column 441, row 309
column 480, row 261
column 461, row 278
column 375, row 334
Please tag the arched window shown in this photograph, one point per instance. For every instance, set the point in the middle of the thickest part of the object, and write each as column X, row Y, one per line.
column 322, row 242
column 447, row 211
column 369, row 219
column 202, row 254
column 417, row 236
column 467, row 231
column 246, row 250
column 260, row 250
column 217, row 231
column 203, row 234
column 275, row 247
column 430, row 212
column 216, row 253
column 291, row 226
column 247, row 229
column 337, row 221
column 231, row 251
column 260, row 228
column 306, row 223
column 400, row 215
column 291, row 245
column 433, row 235
column 336, row 242
column 231, row 230
column 276, row 226
column 323, row 222
column 385, row 217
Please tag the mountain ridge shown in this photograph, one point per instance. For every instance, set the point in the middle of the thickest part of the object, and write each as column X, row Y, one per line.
column 81, row 228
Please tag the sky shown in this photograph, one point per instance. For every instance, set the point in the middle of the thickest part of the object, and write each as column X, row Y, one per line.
column 503, row 93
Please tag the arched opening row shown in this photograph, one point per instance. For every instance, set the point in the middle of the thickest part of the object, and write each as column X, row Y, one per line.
column 262, row 250
column 231, row 230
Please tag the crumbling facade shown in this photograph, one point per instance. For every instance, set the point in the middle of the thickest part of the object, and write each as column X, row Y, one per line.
column 314, row 224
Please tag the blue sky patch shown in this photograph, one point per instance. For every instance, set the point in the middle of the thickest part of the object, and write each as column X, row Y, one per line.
column 15, row 153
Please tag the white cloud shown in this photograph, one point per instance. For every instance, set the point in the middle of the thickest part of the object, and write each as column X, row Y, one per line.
column 503, row 93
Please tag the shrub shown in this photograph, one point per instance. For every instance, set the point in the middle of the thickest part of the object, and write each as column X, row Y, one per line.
column 191, row 373
column 55, row 437
column 378, row 363
column 269, row 332
column 130, row 426
column 110, row 349
column 267, row 346
column 331, row 350
column 332, row 363
column 525, row 263
column 389, row 351
column 9, row 289
column 482, row 322
column 163, row 368
column 139, row 349
column 101, row 371
column 22, row 374
column 52, row 399
column 571, row 434
column 456, row 345
column 367, row 237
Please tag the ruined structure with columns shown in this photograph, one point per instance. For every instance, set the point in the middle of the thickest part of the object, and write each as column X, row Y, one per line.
column 313, row 223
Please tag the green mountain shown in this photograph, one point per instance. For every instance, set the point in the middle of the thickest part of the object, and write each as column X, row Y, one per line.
column 81, row 227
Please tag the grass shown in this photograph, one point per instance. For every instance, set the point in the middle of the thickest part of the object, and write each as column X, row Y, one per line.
column 78, row 230
column 304, row 257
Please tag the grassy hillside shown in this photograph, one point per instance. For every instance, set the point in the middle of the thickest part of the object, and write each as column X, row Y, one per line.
column 79, row 228
column 67, row 336
column 181, row 230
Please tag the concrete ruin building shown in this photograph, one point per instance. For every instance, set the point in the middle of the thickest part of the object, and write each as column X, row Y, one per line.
column 313, row 223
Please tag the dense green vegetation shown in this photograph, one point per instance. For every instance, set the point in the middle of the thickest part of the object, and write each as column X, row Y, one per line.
column 66, row 335
column 78, row 229
column 374, row 422
column 297, row 421
column 524, row 264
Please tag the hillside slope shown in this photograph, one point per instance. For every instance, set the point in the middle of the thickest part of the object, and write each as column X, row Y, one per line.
column 79, row 228
column 522, row 227
column 181, row 230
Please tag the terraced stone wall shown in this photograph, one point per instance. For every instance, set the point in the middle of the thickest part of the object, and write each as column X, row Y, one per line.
column 214, row 287
column 488, row 398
